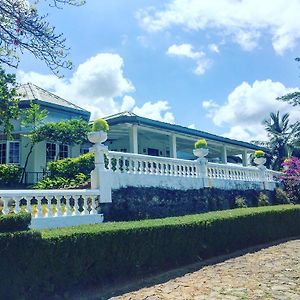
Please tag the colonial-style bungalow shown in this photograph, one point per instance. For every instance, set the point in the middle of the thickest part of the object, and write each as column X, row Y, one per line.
column 128, row 133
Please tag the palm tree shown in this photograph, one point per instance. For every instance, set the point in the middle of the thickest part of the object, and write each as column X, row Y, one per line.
column 283, row 136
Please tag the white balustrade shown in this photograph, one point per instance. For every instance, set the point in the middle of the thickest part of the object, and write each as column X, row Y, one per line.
column 44, row 204
column 130, row 163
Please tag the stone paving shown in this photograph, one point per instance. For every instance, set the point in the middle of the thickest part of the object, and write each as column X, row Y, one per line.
column 270, row 273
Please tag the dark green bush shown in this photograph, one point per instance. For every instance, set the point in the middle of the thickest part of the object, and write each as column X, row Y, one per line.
column 263, row 200
column 14, row 222
column 69, row 167
column 60, row 182
column 240, row 202
column 281, row 196
column 78, row 257
column 9, row 174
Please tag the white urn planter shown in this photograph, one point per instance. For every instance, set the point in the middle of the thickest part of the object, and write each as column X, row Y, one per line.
column 96, row 137
column 200, row 152
column 260, row 161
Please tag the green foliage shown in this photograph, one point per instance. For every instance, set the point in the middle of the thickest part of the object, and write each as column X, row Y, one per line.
column 281, row 196
column 69, row 167
column 100, row 124
column 291, row 98
column 9, row 174
column 263, row 200
column 240, row 202
column 259, row 153
column 201, row 143
column 33, row 117
column 66, row 132
column 58, row 260
column 9, row 103
column 60, row 182
column 15, row 222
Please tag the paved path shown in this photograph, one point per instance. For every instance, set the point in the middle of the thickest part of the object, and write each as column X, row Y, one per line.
column 271, row 273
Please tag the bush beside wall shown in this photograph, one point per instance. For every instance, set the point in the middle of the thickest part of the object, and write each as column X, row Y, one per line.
column 9, row 174
column 12, row 222
column 136, row 203
column 37, row 265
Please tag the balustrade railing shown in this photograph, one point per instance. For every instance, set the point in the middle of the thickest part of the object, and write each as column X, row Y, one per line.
column 50, row 203
column 130, row 163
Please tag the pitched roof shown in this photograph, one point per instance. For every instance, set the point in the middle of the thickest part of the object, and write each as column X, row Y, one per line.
column 129, row 117
column 30, row 91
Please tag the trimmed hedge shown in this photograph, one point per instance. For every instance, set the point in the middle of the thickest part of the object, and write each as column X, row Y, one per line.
column 43, row 263
column 12, row 222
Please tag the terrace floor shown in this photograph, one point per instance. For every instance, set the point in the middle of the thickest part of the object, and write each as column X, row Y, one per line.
column 269, row 273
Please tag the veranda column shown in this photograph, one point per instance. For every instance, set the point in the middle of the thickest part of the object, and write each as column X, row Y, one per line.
column 173, row 146
column 133, row 139
column 245, row 158
column 224, row 155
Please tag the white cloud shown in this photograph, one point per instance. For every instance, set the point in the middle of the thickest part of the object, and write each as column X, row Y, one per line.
column 186, row 50
column 244, row 21
column 192, row 126
column 247, row 105
column 158, row 111
column 214, row 48
column 96, row 85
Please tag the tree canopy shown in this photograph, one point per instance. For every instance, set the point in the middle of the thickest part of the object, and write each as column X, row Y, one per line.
column 22, row 29
column 9, row 103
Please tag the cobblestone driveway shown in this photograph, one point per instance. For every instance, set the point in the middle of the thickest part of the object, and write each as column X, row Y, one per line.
column 271, row 273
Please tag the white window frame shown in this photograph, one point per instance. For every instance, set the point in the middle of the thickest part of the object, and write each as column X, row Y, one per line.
column 56, row 156
column 7, row 158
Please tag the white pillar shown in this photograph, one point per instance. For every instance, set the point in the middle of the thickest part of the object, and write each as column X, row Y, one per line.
column 245, row 158
column 173, row 146
column 224, row 155
column 133, row 139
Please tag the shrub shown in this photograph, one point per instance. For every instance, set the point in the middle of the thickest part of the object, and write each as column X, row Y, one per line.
column 291, row 178
column 263, row 200
column 9, row 174
column 281, row 197
column 40, row 266
column 201, row 144
column 240, row 202
column 69, row 167
column 60, row 182
column 259, row 153
column 100, row 124
column 14, row 222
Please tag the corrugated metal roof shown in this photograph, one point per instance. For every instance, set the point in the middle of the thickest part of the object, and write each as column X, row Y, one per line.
column 30, row 91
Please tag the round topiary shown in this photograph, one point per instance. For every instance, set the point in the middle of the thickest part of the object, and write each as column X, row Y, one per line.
column 201, row 144
column 259, row 153
column 100, row 124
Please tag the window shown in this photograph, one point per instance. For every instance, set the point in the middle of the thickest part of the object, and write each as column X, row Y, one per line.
column 3, row 153
column 63, row 151
column 14, row 153
column 9, row 152
column 50, row 152
column 56, row 151
column 153, row 152
column 84, row 149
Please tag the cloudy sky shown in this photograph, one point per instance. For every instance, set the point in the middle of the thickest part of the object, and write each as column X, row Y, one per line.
column 216, row 65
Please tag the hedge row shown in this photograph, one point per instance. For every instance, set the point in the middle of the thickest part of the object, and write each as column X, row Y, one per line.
column 12, row 222
column 43, row 263
column 9, row 174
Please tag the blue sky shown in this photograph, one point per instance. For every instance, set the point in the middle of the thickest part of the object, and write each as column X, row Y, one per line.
column 214, row 66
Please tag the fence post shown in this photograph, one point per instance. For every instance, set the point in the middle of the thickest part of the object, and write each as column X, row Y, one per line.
column 100, row 176
column 203, row 171
column 263, row 177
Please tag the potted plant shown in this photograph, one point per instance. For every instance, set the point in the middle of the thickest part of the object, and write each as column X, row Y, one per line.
column 201, row 149
column 259, row 157
column 99, row 131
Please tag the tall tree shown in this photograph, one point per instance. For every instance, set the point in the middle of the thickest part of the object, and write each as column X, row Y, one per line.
column 282, row 136
column 9, row 103
column 23, row 29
